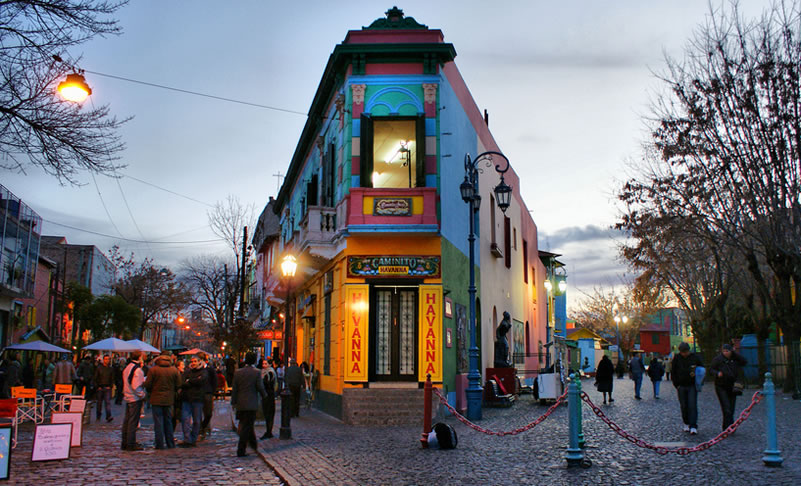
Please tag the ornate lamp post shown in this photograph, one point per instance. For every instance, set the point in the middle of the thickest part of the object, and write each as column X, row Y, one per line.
column 470, row 195
column 618, row 319
column 556, row 276
column 288, row 267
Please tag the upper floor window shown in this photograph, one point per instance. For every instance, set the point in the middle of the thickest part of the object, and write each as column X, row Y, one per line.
column 392, row 152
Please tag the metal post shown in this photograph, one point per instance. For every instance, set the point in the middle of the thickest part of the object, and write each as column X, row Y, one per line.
column 474, row 392
column 426, row 412
column 772, row 457
column 574, row 455
column 287, row 405
column 579, row 411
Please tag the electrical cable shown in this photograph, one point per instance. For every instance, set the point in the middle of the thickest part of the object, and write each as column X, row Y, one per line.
column 186, row 91
column 110, row 220
column 130, row 239
column 167, row 190
column 125, row 200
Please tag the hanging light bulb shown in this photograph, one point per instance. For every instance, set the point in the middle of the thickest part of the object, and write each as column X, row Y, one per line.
column 74, row 88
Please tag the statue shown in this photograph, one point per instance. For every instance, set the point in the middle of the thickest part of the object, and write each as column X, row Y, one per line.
column 502, row 344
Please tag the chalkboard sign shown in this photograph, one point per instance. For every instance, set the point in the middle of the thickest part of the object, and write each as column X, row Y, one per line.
column 5, row 451
column 51, row 442
column 77, row 405
column 74, row 418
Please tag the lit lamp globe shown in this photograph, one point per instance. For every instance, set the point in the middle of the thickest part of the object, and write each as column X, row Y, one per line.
column 562, row 286
column 74, row 88
column 548, row 285
column 288, row 266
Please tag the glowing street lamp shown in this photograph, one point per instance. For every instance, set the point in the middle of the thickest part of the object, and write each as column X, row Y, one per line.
column 74, row 88
column 289, row 265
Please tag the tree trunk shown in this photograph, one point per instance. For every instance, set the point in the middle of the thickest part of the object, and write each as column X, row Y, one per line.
column 792, row 384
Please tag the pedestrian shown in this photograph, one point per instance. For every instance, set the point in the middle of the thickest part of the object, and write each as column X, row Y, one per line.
column 279, row 374
column 247, row 389
column 119, row 365
column 655, row 372
column 637, row 369
column 48, row 369
column 13, row 374
column 230, row 368
column 683, row 378
column 726, row 368
column 86, row 375
column 192, row 391
column 294, row 381
column 133, row 381
column 103, row 379
column 162, row 383
column 64, row 373
column 28, row 376
column 209, row 388
column 604, row 378
column 270, row 381
column 180, row 366
column 668, row 364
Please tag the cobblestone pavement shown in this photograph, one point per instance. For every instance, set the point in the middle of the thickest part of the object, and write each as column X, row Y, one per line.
column 100, row 461
column 324, row 451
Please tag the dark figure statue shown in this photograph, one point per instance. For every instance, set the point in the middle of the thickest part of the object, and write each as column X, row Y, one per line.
column 502, row 344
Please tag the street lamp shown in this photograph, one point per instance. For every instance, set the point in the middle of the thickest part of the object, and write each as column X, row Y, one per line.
column 618, row 319
column 555, row 284
column 74, row 88
column 470, row 195
column 288, row 267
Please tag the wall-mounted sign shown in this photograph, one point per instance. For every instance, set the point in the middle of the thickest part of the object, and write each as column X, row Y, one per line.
column 430, row 352
column 394, row 266
column 392, row 206
column 269, row 334
column 357, row 305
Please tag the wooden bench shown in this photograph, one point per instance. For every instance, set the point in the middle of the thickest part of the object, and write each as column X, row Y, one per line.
column 494, row 397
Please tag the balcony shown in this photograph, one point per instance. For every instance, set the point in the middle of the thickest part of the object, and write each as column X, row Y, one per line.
column 392, row 210
column 317, row 233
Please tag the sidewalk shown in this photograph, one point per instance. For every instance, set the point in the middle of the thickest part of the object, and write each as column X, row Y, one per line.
column 324, row 451
column 100, row 460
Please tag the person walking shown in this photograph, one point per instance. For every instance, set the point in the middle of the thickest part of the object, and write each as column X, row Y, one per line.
column 209, row 387
column 270, row 380
column 294, row 380
column 655, row 372
column 668, row 363
column 726, row 369
column 133, row 381
column 48, row 369
column 13, row 374
column 245, row 393
column 103, row 379
column 162, row 384
column 193, row 391
column 604, row 378
column 86, row 375
column 637, row 369
column 119, row 365
column 683, row 378
column 178, row 405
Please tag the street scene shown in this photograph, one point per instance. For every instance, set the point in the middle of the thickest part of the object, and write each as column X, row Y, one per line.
column 518, row 243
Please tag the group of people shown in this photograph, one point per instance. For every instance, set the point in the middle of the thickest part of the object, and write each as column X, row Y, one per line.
column 681, row 370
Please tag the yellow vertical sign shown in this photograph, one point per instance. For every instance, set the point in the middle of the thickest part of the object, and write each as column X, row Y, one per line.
column 356, row 331
column 430, row 354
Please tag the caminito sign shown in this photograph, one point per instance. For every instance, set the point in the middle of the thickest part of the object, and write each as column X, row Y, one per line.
column 394, row 266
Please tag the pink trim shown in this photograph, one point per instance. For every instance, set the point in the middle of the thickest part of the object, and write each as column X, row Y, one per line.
column 431, row 110
column 355, row 212
column 431, row 164
column 398, row 68
column 356, row 110
column 355, row 165
column 405, row 36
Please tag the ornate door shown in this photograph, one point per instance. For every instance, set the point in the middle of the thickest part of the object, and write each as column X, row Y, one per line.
column 395, row 333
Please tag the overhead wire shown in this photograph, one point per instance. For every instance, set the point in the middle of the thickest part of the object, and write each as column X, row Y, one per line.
column 110, row 219
column 167, row 190
column 216, row 240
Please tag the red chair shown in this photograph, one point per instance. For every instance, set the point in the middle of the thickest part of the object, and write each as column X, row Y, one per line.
column 8, row 413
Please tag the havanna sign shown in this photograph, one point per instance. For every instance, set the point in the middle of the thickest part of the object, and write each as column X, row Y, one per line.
column 394, row 266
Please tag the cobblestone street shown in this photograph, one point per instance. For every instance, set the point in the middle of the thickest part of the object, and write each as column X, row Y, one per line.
column 325, row 452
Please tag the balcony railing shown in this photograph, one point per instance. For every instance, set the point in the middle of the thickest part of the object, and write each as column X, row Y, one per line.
column 392, row 210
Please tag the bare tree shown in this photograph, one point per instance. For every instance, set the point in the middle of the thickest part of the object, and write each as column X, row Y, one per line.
column 209, row 285
column 227, row 220
column 37, row 128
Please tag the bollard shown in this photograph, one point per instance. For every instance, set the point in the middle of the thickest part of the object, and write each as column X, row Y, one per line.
column 426, row 412
column 574, row 455
column 579, row 411
column 772, row 457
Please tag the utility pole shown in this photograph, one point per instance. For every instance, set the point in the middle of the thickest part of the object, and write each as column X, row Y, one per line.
column 242, row 273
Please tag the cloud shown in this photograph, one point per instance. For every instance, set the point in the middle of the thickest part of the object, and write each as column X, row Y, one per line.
column 576, row 59
column 577, row 234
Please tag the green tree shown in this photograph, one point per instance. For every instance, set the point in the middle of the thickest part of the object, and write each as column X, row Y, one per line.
column 111, row 316
column 77, row 298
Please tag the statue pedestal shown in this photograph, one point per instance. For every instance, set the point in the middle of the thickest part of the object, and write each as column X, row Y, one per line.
column 506, row 377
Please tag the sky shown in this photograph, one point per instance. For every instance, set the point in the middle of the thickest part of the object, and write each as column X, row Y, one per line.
column 567, row 86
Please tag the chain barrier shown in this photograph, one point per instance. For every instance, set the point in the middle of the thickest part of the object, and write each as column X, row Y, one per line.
column 481, row 429
column 682, row 451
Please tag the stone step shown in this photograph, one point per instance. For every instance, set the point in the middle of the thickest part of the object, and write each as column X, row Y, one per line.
column 377, row 406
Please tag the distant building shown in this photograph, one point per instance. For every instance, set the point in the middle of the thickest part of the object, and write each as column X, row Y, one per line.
column 84, row 264
column 20, row 236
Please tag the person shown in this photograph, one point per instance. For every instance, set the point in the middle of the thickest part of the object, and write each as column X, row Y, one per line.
column 637, row 369
column 683, row 378
column 726, row 367
column 86, row 373
column 193, row 391
column 162, row 384
column 604, row 378
column 230, row 368
column 48, row 368
column 655, row 372
column 103, row 379
column 133, row 382
column 668, row 362
column 245, row 393
column 279, row 374
column 178, row 405
column 64, row 374
column 294, row 381
column 269, row 379
column 119, row 365
column 209, row 387
column 28, row 376
column 13, row 374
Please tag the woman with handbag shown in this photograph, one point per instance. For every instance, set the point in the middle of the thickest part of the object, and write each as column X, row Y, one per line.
column 726, row 368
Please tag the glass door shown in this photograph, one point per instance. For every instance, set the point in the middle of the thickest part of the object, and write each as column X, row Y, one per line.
column 394, row 333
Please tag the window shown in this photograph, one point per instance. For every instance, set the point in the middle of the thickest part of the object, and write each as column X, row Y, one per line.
column 514, row 238
column 507, row 241
column 655, row 338
column 525, row 263
column 329, row 160
column 392, row 152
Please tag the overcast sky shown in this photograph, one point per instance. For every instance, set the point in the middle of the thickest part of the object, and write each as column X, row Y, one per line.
column 566, row 85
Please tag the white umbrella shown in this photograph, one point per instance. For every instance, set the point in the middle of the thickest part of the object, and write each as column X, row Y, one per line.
column 142, row 346
column 38, row 346
column 112, row 344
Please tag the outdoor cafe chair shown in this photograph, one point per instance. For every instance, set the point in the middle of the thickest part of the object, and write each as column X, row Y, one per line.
column 29, row 405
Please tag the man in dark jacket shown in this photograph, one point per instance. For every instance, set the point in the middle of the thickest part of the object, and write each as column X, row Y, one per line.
column 86, row 375
column 162, row 383
column 726, row 369
column 192, row 394
column 119, row 364
column 294, row 380
column 245, row 393
column 208, row 394
column 683, row 378
column 104, row 378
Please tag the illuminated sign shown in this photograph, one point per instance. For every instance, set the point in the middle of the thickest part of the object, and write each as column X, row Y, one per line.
column 430, row 354
column 392, row 206
column 394, row 266
column 356, row 331
column 269, row 334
